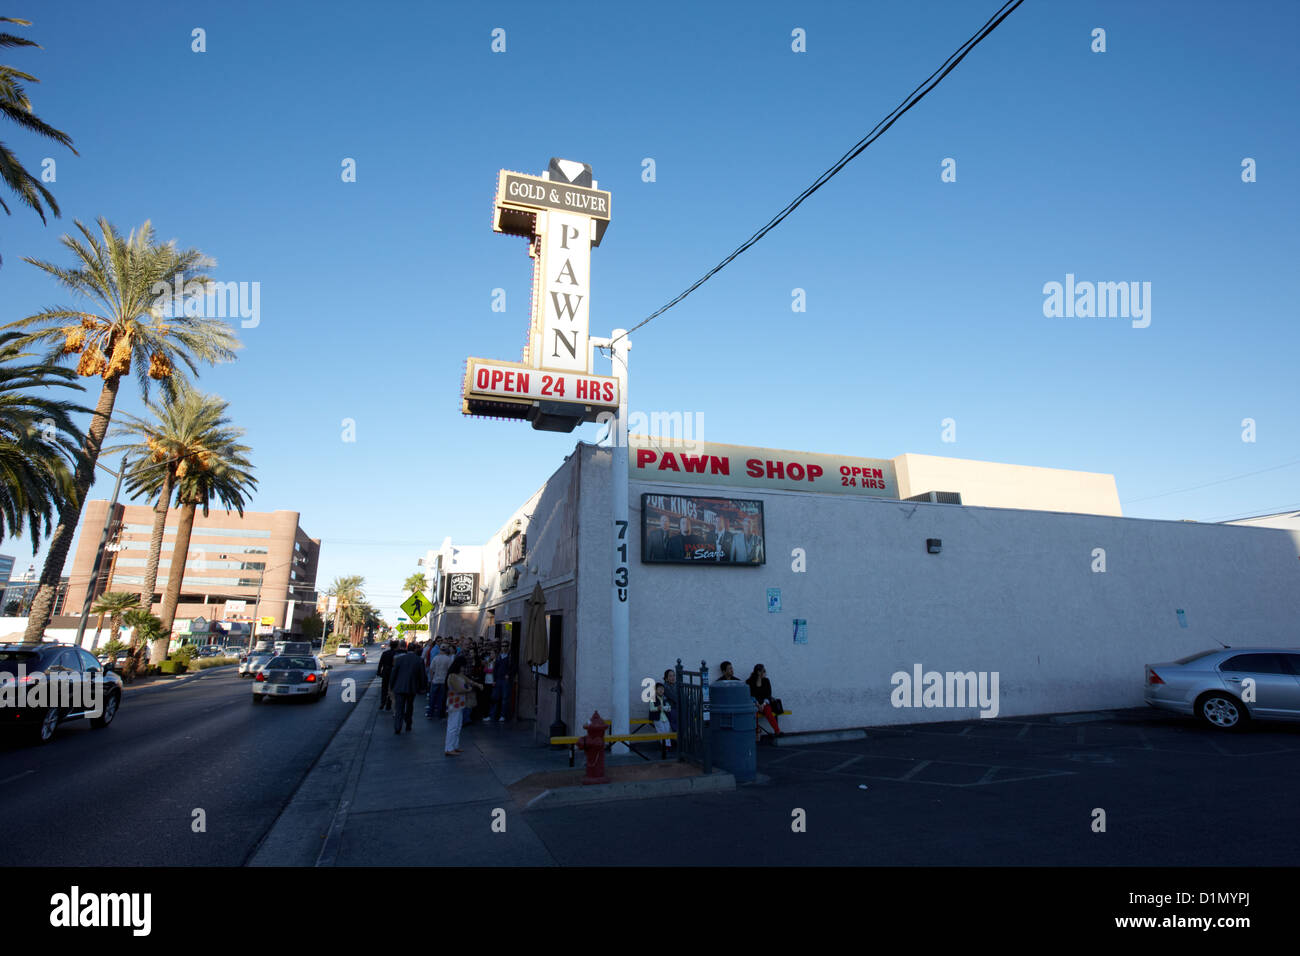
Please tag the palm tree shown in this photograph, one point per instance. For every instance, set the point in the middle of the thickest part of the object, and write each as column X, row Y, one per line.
column 130, row 279
column 416, row 582
column 115, row 604
column 182, row 430
column 215, row 467
column 350, row 591
column 37, row 441
column 16, row 107
column 145, row 629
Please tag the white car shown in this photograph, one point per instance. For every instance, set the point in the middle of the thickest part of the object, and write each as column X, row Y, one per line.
column 343, row 650
column 295, row 676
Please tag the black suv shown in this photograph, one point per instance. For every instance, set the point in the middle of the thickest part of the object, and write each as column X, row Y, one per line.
column 43, row 685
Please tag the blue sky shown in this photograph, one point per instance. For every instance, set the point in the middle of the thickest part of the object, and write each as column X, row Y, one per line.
column 924, row 298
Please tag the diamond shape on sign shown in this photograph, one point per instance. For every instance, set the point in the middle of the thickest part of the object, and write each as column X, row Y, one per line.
column 571, row 169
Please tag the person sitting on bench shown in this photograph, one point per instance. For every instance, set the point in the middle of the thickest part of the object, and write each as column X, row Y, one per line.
column 660, row 709
column 760, row 688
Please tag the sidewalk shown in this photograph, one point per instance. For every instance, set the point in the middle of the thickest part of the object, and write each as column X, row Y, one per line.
column 375, row 798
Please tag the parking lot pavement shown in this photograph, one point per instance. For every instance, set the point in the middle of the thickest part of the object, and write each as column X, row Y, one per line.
column 980, row 753
column 1008, row 792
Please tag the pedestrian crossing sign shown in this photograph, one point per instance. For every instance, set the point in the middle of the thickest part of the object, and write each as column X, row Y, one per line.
column 417, row 605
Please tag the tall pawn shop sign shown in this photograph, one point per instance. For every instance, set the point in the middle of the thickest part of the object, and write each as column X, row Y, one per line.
column 562, row 215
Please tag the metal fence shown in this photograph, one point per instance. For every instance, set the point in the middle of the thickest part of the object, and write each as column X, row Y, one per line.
column 693, row 715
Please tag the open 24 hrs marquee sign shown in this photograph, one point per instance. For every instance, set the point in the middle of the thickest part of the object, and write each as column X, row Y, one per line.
column 562, row 215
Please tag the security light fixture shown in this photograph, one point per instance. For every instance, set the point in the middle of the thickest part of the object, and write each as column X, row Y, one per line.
column 933, row 545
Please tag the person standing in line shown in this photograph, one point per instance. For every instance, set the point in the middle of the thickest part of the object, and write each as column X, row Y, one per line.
column 427, row 657
column 458, row 688
column 489, row 682
column 385, row 674
column 474, row 670
column 501, row 684
column 438, row 669
column 408, row 680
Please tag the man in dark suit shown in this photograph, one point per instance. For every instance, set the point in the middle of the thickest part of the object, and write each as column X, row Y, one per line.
column 385, row 674
column 720, row 540
column 679, row 545
column 408, row 680
column 657, row 541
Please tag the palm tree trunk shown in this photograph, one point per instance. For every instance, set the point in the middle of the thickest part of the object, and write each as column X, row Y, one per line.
column 70, row 515
column 156, row 540
column 175, row 577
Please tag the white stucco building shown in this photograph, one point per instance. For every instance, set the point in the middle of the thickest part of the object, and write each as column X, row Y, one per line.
column 1034, row 576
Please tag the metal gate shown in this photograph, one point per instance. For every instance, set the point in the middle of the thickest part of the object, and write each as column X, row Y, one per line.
column 693, row 716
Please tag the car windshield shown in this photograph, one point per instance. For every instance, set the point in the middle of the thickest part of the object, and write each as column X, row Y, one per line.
column 1197, row 656
column 293, row 663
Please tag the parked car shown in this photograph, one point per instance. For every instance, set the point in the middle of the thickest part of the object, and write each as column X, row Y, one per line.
column 85, row 688
column 118, row 663
column 291, row 677
column 357, row 655
column 1229, row 687
column 249, row 665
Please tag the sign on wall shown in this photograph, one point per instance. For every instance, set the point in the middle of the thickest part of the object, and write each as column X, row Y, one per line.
column 235, row 611
column 709, row 463
column 684, row 529
column 512, row 552
column 462, row 588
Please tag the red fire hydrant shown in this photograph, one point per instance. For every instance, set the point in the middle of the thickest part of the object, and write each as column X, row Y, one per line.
column 594, row 745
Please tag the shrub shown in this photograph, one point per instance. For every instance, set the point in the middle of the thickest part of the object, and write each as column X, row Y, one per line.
column 172, row 667
column 206, row 662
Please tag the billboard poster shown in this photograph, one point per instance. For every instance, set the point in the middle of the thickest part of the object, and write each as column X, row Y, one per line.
column 462, row 588
column 687, row 529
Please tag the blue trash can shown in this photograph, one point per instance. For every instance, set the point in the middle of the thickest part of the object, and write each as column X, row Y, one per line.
column 732, row 709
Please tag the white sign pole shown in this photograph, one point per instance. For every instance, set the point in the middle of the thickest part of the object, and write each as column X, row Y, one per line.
column 621, row 587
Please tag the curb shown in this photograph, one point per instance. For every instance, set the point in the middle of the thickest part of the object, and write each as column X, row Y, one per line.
column 825, row 737
column 306, row 831
column 632, row 790
column 329, row 850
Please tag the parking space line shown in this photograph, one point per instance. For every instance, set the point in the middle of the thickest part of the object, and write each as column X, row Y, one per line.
column 1023, row 730
column 966, row 730
column 988, row 776
column 915, row 770
column 851, row 760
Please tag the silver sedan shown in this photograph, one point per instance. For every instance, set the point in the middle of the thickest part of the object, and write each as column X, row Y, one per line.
column 1227, row 688
column 294, row 676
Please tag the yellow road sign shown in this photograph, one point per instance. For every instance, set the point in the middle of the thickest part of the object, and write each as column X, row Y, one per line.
column 416, row 606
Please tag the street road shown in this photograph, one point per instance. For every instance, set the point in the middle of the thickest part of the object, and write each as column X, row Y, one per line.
column 126, row 795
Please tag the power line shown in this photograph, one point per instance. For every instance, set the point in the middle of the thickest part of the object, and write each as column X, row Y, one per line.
column 918, row 94
column 1217, row 481
column 1258, row 514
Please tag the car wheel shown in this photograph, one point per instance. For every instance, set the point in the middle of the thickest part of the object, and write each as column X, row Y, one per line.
column 257, row 698
column 1222, row 711
column 49, row 723
column 110, row 711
